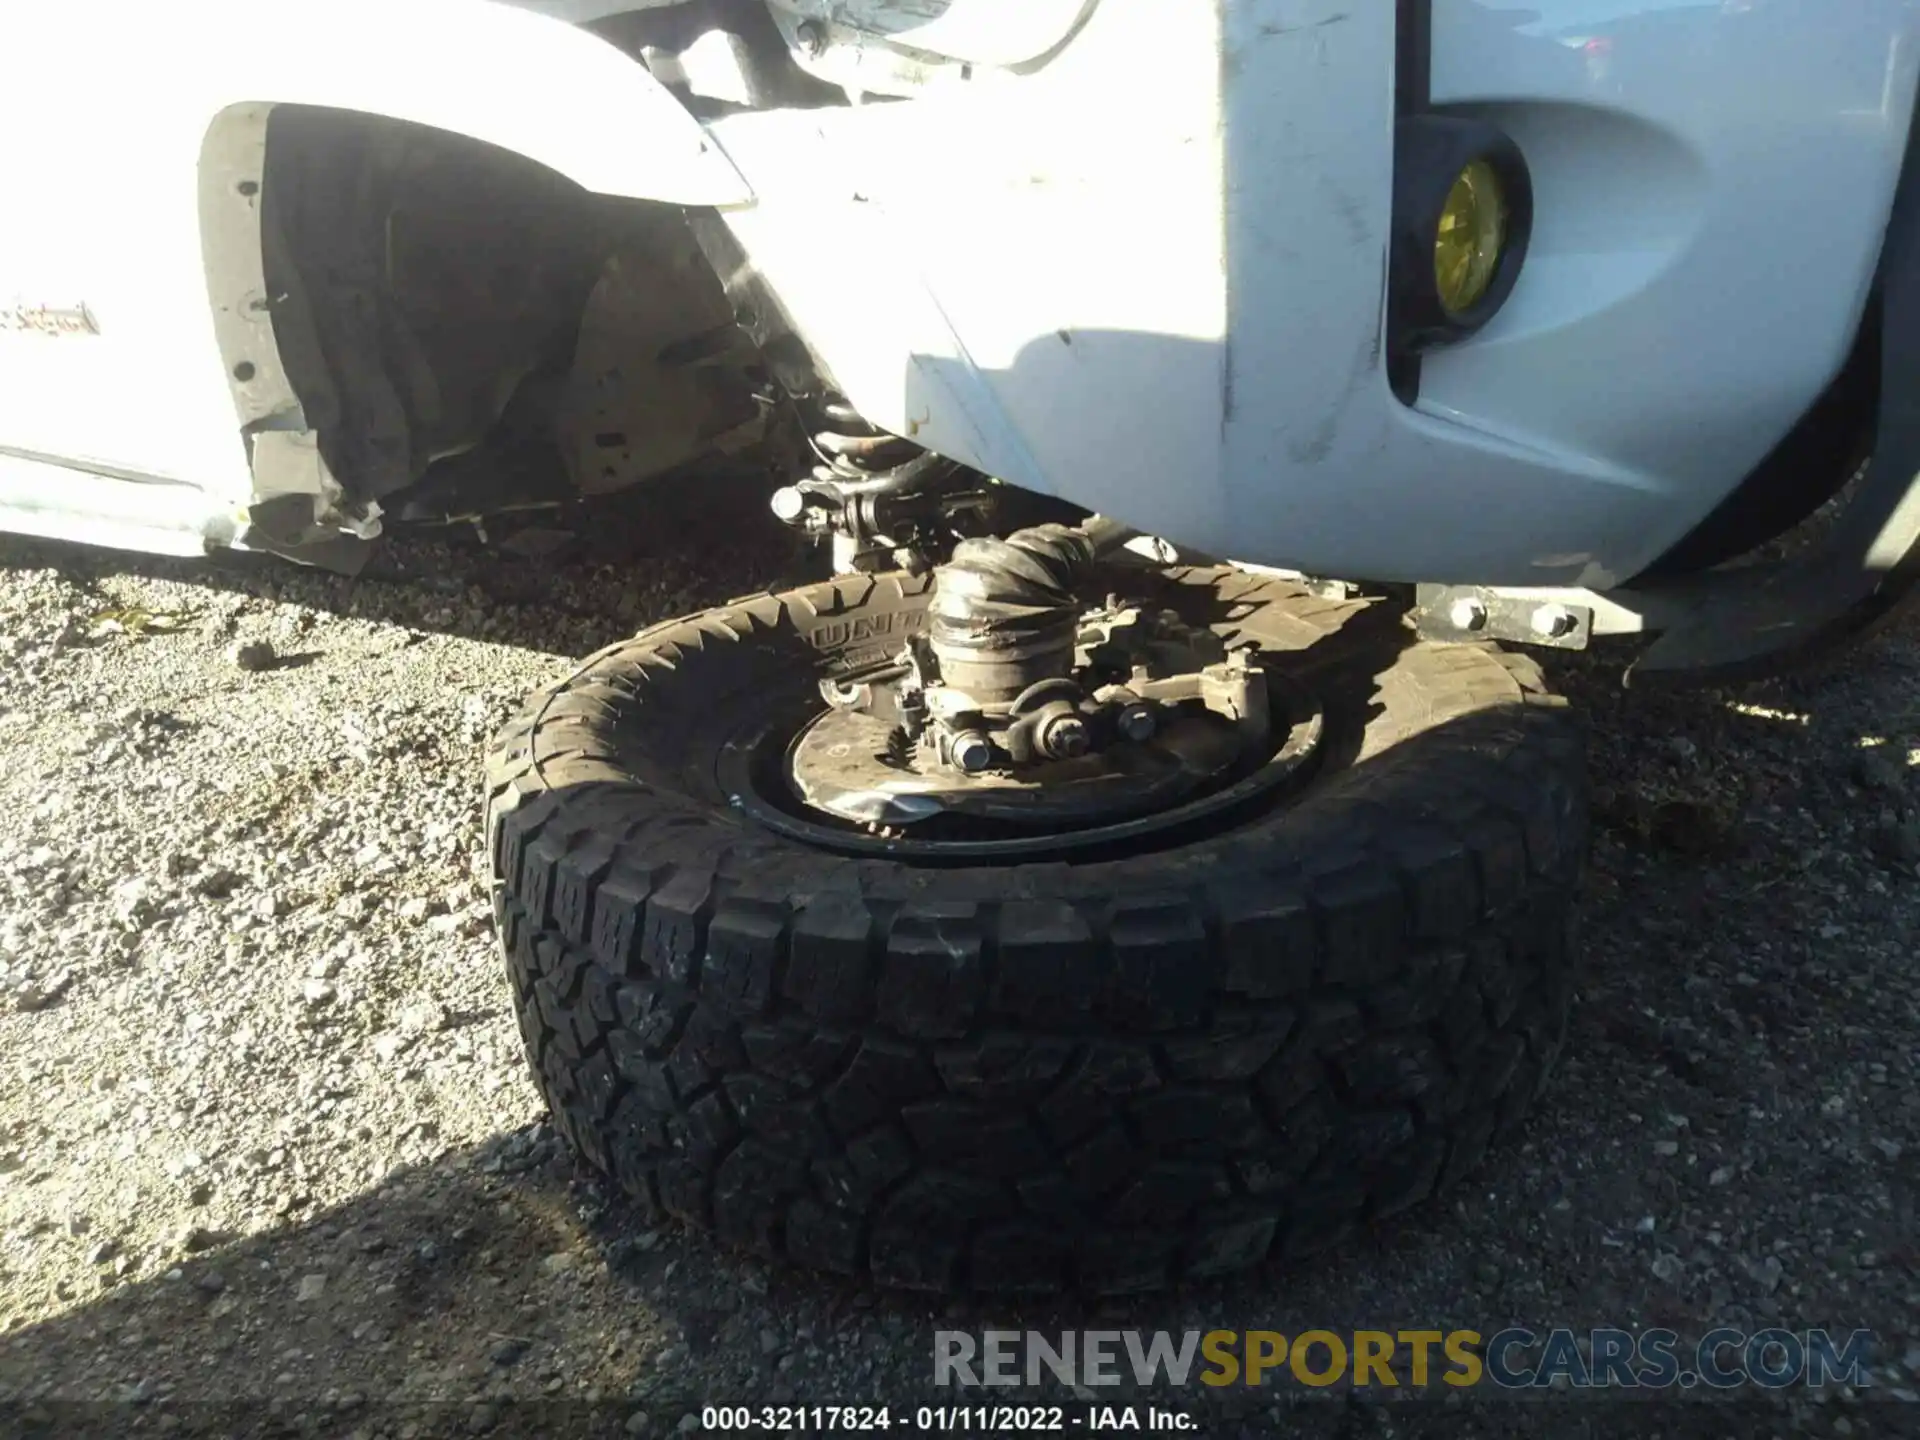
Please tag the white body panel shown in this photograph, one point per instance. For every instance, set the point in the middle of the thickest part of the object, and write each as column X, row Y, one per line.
column 1146, row 273
column 1036, row 277
column 108, row 169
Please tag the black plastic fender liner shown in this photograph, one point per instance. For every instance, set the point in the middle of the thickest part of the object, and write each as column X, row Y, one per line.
column 1760, row 619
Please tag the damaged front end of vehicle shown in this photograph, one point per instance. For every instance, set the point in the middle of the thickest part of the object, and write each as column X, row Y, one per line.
column 461, row 332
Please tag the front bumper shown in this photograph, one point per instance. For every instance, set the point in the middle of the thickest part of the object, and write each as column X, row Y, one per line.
column 1151, row 277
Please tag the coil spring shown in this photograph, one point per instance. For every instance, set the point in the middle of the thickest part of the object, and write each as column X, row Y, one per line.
column 851, row 449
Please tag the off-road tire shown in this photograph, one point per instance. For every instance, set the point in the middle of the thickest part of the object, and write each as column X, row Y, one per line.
column 1111, row 1074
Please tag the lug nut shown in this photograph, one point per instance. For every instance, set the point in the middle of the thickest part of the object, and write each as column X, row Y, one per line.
column 971, row 751
column 1468, row 613
column 1555, row 621
column 1137, row 722
column 1065, row 738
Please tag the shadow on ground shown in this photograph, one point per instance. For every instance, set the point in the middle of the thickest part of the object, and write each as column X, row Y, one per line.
column 496, row 1292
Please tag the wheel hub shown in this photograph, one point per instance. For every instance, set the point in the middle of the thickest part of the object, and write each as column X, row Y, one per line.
column 1153, row 715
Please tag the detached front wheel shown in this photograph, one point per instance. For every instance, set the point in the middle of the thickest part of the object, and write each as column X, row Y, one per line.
column 1247, row 999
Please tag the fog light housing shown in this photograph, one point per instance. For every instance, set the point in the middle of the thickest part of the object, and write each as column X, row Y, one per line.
column 1462, row 216
column 1470, row 238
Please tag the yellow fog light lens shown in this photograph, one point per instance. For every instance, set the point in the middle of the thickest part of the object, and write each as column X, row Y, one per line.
column 1472, row 233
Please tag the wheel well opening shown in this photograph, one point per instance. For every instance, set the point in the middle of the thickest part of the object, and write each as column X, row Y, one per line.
column 454, row 329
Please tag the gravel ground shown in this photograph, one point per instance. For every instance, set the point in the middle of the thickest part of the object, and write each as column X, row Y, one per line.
column 266, row 1142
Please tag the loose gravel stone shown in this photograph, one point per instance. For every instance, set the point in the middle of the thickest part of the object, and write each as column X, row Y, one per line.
column 31, row 998
column 1876, row 769
column 424, row 1018
column 1765, row 1273
column 1897, row 842
column 252, row 655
